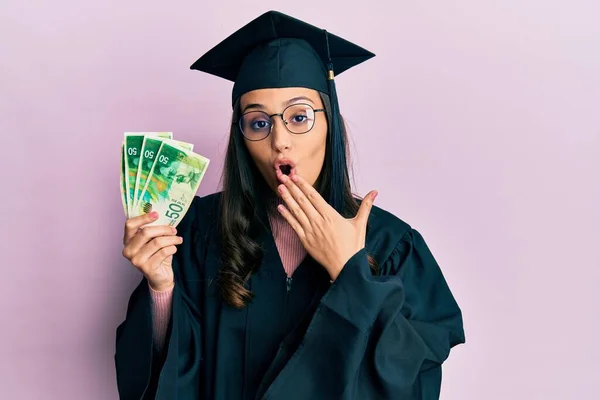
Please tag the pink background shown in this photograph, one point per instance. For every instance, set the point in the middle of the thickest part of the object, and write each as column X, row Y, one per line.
column 478, row 122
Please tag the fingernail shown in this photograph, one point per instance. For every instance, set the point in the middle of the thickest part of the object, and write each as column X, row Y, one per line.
column 295, row 178
column 281, row 188
column 174, row 230
column 154, row 214
column 284, row 178
column 375, row 195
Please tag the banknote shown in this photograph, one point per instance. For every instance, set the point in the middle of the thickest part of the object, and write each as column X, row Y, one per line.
column 150, row 148
column 171, row 184
column 122, row 184
column 133, row 147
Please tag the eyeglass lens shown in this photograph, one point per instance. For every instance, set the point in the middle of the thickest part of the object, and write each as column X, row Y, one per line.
column 298, row 118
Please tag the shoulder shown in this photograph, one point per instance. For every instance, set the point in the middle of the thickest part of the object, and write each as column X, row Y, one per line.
column 200, row 214
column 387, row 235
column 382, row 220
column 383, row 224
column 206, row 205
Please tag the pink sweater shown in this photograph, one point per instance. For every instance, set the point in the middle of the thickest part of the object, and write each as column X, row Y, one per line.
column 290, row 250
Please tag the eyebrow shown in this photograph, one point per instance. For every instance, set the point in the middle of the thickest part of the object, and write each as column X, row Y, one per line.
column 287, row 103
column 295, row 99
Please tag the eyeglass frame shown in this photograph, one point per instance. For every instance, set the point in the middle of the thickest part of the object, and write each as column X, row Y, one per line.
column 280, row 115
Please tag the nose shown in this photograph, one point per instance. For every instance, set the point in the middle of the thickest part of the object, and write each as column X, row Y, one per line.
column 281, row 139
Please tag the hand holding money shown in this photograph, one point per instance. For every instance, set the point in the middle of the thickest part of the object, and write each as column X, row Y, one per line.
column 151, row 250
column 159, row 179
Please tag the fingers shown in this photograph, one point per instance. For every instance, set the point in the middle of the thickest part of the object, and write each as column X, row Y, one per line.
column 293, row 207
column 133, row 224
column 158, row 244
column 291, row 220
column 150, row 242
column 362, row 216
column 145, row 235
column 313, row 196
column 160, row 256
column 157, row 249
column 300, row 198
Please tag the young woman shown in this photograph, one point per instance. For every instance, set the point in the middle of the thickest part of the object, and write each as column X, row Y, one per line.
column 284, row 285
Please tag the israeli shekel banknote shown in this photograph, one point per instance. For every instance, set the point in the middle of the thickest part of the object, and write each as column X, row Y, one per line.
column 150, row 149
column 123, row 186
column 159, row 174
column 172, row 183
column 133, row 150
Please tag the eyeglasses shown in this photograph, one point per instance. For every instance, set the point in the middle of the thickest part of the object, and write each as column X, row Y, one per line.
column 297, row 118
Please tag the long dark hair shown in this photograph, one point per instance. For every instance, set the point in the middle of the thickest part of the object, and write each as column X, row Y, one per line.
column 246, row 199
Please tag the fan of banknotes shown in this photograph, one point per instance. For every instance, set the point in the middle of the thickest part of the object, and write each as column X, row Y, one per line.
column 159, row 174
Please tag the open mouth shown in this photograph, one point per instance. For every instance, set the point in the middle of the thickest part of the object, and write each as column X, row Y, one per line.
column 285, row 166
column 285, row 169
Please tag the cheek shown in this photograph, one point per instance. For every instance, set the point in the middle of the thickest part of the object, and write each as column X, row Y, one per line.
column 258, row 152
column 320, row 143
column 316, row 154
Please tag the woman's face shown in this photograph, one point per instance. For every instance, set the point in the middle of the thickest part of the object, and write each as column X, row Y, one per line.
column 301, row 154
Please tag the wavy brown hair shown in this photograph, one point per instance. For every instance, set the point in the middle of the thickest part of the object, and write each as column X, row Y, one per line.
column 246, row 199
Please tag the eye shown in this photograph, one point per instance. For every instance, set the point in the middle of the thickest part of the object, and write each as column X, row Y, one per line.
column 259, row 124
column 299, row 118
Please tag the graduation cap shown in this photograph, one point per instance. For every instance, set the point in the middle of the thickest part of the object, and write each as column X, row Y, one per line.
column 276, row 51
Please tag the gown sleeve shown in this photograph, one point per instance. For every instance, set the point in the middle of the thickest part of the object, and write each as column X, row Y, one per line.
column 141, row 370
column 382, row 336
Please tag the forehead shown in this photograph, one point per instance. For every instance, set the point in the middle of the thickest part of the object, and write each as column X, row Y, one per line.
column 274, row 98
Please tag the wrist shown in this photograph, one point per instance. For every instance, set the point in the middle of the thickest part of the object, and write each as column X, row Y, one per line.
column 334, row 270
column 161, row 287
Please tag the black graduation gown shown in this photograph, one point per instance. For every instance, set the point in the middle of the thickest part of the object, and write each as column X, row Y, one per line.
column 365, row 336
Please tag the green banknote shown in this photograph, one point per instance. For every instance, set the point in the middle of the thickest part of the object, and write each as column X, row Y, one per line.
column 150, row 148
column 122, row 185
column 133, row 148
column 172, row 184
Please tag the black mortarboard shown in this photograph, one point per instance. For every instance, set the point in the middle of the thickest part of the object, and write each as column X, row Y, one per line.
column 276, row 50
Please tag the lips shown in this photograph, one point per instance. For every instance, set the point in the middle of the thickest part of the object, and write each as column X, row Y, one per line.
column 285, row 166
